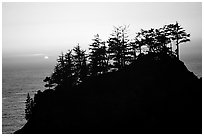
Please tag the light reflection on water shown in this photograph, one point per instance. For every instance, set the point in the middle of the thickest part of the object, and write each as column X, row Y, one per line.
column 15, row 86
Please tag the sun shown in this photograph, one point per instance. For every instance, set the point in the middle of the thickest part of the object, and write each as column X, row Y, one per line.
column 46, row 57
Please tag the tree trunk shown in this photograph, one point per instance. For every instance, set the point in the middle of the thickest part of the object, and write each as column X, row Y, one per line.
column 177, row 38
column 135, row 54
column 140, row 49
column 177, row 49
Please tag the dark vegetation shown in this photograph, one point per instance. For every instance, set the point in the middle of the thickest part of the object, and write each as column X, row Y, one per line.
column 121, row 86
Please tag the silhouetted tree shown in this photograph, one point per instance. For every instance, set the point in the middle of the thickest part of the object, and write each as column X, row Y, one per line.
column 179, row 35
column 73, row 68
column 98, row 56
column 84, row 69
column 69, row 76
column 137, row 44
column 167, row 31
column 127, row 53
column 149, row 39
column 69, row 68
column 156, row 40
column 37, row 97
column 119, row 47
column 161, row 42
column 29, row 107
column 57, row 76
column 61, row 61
column 104, row 59
column 49, row 82
column 63, row 70
column 80, row 67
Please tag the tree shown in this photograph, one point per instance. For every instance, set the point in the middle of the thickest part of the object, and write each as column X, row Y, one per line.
column 98, row 56
column 149, row 39
column 137, row 44
column 29, row 107
column 167, row 31
column 156, row 40
column 103, row 57
column 59, row 71
column 161, row 41
column 179, row 35
column 63, row 71
column 69, row 76
column 84, row 69
column 119, row 49
column 49, row 82
column 37, row 97
column 57, row 75
column 69, row 70
column 80, row 67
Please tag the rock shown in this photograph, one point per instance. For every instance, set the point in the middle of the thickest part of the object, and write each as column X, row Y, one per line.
column 154, row 94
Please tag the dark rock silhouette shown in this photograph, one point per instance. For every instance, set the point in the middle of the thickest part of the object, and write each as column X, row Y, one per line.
column 154, row 94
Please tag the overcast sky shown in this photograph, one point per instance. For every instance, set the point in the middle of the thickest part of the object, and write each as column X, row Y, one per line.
column 36, row 30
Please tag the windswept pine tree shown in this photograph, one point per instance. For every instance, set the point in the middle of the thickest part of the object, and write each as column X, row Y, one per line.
column 166, row 30
column 160, row 40
column 179, row 35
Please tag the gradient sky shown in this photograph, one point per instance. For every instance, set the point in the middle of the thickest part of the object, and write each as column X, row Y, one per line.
column 32, row 31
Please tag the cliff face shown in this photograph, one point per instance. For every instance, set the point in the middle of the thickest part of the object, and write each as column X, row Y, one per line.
column 152, row 95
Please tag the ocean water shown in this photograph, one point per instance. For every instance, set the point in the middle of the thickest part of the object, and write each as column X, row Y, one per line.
column 18, row 81
column 194, row 64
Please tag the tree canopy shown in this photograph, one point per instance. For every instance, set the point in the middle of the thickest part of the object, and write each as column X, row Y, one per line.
column 118, row 51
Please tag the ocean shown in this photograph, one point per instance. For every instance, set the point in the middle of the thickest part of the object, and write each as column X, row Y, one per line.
column 18, row 81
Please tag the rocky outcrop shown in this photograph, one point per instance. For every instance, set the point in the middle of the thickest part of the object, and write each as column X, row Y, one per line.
column 155, row 94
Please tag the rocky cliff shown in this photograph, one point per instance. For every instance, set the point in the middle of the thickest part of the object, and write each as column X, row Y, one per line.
column 154, row 94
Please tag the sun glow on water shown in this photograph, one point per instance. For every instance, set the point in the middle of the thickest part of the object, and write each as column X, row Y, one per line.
column 46, row 57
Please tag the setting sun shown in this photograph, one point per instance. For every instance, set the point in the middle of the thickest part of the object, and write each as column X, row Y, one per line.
column 46, row 57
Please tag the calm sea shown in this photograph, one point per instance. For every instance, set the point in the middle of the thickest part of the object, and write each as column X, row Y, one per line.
column 17, row 82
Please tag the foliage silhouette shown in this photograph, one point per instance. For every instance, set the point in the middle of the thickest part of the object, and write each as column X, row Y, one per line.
column 57, row 76
column 69, row 68
column 98, row 57
column 150, row 92
column 120, row 51
column 80, row 66
column 29, row 107
column 119, row 48
column 137, row 44
column 49, row 83
column 178, row 34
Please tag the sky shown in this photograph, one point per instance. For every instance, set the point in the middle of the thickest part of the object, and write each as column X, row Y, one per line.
column 39, row 32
